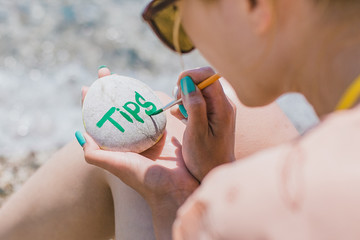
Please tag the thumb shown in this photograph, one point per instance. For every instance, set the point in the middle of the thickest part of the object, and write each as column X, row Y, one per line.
column 84, row 91
column 194, row 104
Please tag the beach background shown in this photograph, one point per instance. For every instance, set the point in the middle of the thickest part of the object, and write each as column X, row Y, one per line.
column 50, row 49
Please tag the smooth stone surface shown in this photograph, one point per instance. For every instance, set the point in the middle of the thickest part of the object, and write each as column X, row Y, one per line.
column 115, row 114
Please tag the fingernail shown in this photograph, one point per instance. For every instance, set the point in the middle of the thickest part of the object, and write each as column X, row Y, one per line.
column 183, row 111
column 102, row 66
column 187, row 85
column 112, row 73
column 80, row 138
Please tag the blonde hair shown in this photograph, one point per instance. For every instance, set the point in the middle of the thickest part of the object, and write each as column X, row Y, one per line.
column 176, row 35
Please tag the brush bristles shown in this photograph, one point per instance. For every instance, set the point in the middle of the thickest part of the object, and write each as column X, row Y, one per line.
column 157, row 112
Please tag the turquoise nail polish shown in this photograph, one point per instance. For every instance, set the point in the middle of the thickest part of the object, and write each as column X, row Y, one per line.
column 187, row 85
column 80, row 138
column 183, row 111
column 102, row 66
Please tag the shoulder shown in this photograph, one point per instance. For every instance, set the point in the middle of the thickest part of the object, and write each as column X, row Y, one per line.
column 337, row 137
column 296, row 188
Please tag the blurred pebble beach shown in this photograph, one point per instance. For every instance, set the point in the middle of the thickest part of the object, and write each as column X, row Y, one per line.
column 50, row 49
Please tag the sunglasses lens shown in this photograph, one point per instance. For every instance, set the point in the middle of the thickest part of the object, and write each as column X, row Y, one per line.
column 163, row 22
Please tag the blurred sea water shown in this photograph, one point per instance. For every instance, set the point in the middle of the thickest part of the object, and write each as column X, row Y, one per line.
column 49, row 49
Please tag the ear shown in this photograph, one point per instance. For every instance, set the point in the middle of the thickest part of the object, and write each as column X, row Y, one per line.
column 261, row 14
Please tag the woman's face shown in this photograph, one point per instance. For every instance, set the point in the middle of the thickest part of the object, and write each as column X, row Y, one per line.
column 239, row 40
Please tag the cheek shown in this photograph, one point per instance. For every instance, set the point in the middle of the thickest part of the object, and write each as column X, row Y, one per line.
column 195, row 21
column 204, row 22
column 219, row 32
column 226, row 40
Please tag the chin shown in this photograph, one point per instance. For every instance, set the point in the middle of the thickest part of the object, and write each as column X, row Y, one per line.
column 251, row 90
column 252, row 99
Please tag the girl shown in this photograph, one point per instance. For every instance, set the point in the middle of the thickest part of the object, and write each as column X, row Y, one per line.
column 305, row 189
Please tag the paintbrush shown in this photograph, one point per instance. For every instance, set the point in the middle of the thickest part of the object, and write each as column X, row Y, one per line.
column 201, row 86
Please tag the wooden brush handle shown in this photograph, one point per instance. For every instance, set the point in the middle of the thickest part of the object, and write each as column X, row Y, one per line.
column 208, row 81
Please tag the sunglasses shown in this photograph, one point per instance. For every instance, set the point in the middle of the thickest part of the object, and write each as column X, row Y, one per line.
column 162, row 16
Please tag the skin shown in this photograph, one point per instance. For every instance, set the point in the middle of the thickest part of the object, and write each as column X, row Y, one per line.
column 285, row 192
column 216, row 130
column 160, row 174
column 294, row 191
column 64, row 199
column 91, row 203
column 276, row 49
column 281, row 193
column 301, row 209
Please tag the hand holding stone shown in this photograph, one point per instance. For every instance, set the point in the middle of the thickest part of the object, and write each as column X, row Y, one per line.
column 158, row 174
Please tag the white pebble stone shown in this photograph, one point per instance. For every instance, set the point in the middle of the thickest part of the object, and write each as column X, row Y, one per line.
column 114, row 114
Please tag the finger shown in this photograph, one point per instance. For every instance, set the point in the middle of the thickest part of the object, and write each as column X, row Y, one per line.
column 232, row 104
column 175, row 111
column 84, row 91
column 217, row 104
column 197, row 75
column 175, row 92
column 213, row 94
column 103, row 71
column 194, row 104
column 125, row 165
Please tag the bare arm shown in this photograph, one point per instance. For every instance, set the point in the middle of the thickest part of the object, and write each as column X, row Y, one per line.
column 258, row 128
column 302, row 190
